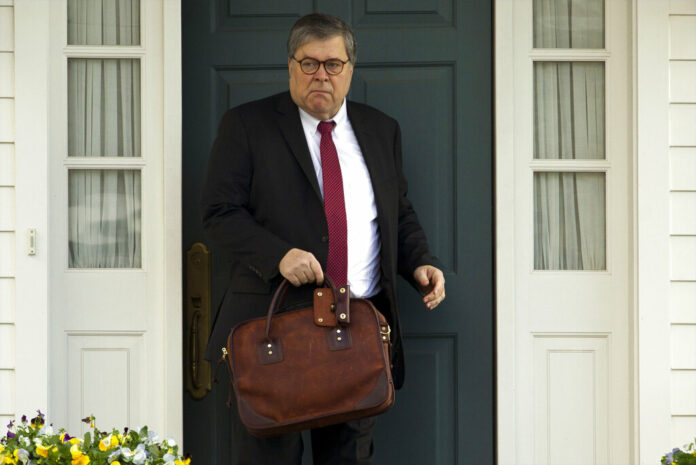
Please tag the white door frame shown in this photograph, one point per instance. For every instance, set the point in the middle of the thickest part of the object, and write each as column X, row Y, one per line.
column 173, row 292
column 505, row 231
column 33, row 180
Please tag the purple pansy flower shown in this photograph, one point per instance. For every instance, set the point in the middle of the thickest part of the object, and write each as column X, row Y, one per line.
column 671, row 455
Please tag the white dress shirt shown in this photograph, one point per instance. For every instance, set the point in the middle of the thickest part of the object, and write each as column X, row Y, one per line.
column 361, row 211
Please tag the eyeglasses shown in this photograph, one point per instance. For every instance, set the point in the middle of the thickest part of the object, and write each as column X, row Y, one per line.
column 332, row 66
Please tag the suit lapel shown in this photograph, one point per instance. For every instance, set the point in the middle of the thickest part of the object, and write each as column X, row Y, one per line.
column 291, row 127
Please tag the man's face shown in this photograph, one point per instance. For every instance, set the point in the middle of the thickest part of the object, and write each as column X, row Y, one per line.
column 320, row 94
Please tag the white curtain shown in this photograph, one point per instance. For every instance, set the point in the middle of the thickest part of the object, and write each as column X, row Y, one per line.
column 569, row 110
column 104, row 121
column 103, row 22
column 569, row 122
column 569, row 221
column 104, row 218
column 569, row 23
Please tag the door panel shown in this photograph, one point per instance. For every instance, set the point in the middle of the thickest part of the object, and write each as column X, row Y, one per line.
column 572, row 228
column 427, row 64
column 106, row 249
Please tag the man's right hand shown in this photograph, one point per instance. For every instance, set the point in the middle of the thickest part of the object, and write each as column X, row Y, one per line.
column 301, row 267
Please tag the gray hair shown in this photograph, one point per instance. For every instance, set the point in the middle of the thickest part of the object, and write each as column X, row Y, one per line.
column 318, row 26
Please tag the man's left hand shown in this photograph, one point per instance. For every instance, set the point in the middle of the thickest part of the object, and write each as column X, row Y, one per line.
column 431, row 282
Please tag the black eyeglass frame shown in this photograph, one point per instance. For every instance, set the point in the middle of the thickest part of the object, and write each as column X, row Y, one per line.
column 320, row 63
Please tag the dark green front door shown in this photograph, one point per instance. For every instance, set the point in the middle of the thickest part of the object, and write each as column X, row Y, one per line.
column 428, row 63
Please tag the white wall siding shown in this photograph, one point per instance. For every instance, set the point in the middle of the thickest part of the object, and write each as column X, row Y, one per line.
column 682, row 156
column 7, row 214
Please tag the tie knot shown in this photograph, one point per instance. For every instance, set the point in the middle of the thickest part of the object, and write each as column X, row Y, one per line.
column 325, row 127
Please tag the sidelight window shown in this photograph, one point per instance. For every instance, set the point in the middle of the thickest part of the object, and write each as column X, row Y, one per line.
column 104, row 159
column 570, row 163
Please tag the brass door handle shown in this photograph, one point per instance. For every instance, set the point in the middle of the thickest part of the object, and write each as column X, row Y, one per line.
column 197, row 377
column 194, row 351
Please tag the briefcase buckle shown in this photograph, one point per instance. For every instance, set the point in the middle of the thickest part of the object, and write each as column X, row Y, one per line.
column 385, row 331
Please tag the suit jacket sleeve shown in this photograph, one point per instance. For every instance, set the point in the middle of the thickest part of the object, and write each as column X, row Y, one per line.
column 227, row 219
column 413, row 248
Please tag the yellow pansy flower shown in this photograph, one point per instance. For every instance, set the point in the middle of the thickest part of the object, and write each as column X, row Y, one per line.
column 75, row 451
column 75, row 441
column 108, row 442
column 105, row 443
column 9, row 460
column 42, row 451
column 182, row 462
column 83, row 460
column 115, row 462
column 2, row 448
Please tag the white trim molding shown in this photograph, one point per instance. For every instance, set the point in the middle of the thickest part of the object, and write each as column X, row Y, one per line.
column 173, row 293
column 652, row 139
column 32, row 23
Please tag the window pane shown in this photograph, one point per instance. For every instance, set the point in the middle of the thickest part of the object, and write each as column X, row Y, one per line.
column 104, row 218
column 103, row 107
column 569, row 221
column 569, row 110
column 103, row 22
column 569, row 23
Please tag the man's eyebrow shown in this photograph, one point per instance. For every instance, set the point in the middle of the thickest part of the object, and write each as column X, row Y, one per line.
column 317, row 59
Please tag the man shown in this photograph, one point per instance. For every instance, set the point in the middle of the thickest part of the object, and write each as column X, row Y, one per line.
column 305, row 183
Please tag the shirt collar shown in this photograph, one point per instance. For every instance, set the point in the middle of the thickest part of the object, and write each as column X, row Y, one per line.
column 339, row 118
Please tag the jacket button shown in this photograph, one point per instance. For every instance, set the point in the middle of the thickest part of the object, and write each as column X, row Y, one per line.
column 325, row 238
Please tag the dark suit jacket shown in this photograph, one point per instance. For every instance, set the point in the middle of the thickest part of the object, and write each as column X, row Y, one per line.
column 261, row 198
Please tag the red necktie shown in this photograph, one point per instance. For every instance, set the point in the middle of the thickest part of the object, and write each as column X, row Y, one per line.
column 334, row 206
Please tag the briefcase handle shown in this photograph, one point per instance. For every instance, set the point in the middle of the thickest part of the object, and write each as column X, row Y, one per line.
column 341, row 302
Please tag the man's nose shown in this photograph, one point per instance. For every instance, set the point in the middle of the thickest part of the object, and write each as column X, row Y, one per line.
column 321, row 73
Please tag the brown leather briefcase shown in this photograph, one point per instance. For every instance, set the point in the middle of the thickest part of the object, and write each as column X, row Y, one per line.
column 312, row 367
